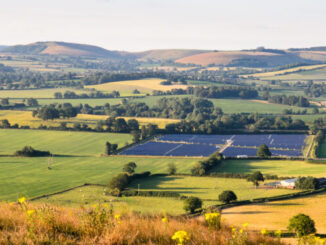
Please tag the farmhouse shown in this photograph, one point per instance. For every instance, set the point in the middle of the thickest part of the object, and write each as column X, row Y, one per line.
column 289, row 183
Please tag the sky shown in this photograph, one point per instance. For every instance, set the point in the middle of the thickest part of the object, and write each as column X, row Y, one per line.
column 137, row 25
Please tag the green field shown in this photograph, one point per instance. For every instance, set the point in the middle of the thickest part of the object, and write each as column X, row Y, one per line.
column 31, row 177
column 277, row 167
column 59, row 142
column 319, row 74
column 206, row 188
column 37, row 93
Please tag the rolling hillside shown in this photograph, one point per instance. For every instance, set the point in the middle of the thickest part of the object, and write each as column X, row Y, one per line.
column 246, row 58
column 2, row 47
column 168, row 54
column 241, row 58
column 63, row 48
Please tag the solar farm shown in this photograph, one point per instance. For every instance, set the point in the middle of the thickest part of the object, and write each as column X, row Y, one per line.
column 240, row 146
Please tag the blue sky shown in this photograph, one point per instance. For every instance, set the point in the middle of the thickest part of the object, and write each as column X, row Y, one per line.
column 137, row 25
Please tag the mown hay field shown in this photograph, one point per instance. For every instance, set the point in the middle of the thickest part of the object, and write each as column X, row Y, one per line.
column 59, row 142
column 276, row 215
column 318, row 74
column 31, row 177
column 143, row 85
column 25, row 118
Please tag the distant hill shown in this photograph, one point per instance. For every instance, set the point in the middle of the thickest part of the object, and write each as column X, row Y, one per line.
column 2, row 47
column 63, row 48
column 245, row 58
column 168, row 54
column 259, row 57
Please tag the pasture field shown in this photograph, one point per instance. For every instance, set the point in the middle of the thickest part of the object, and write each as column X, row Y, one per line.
column 251, row 106
column 91, row 195
column 276, row 215
column 31, row 177
column 26, row 118
column 143, row 85
column 206, row 188
column 37, row 93
column 319, row 74
column 59, row 142
column 278, row 167
column 231, row 105
column 282, row 72
column 76, row 102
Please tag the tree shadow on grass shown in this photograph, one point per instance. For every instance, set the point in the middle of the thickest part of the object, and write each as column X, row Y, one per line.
column 153, row 183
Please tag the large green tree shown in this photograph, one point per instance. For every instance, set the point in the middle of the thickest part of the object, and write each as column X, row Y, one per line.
column 263, row 151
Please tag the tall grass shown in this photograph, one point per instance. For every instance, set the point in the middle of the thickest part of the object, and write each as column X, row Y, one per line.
column 28, row 224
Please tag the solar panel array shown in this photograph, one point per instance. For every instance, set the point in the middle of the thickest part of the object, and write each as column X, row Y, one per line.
column 290, row 145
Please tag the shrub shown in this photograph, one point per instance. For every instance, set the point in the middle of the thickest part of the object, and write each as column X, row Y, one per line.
column 201, row 168
column 192, row 203
column 29, row 151
column 227, row 196
column 302, row 225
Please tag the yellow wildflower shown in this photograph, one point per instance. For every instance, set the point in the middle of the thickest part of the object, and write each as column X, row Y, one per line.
column 213, row 219
column 180, row 237
column 164, row 219
column 278, row 233
column 263, row 232
column 117, row 217
column 30, row 212
column 241, row 231
column 245, row 225
column 22, row 200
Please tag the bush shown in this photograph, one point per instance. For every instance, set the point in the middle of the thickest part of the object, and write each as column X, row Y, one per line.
column 29, row 151
column 227, row 196
column 201, row 168
column 302, row 225
column 307, row 183
column 192, row 203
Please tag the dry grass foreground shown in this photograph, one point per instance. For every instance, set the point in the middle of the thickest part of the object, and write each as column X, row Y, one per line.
column 27, row 224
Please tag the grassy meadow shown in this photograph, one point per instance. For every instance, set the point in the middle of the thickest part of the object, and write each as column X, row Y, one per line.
column 276, row 215
column 282, row 72
column 59, row 142
column 206, row 188
column 31, row 177
column 278, row 167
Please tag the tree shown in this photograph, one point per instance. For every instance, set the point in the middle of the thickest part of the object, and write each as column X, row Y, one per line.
column 192, row 203
column 302, row 225
column 255, row 178
column 107, row 150
column 32, row 102
column 307, row 183
column 118, row 182
column 227, row 196
column 58, row 95
column 135, row 136
column 172, row 168
column 5, row 101
column 5, row 123
column 198, row 169
column 263, row 151
column 129, row 167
